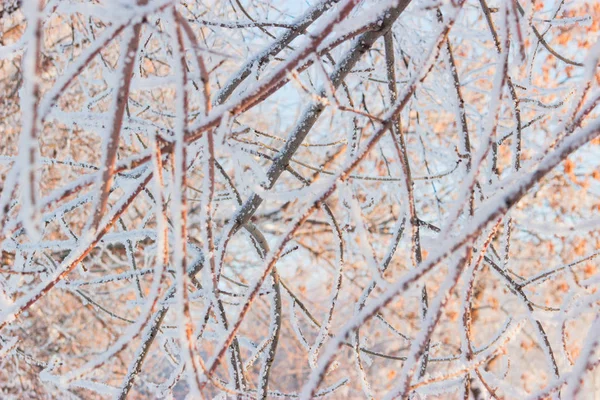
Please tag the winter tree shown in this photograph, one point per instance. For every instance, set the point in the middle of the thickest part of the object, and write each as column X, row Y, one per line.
column 256, row 199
